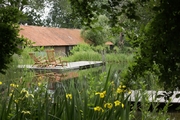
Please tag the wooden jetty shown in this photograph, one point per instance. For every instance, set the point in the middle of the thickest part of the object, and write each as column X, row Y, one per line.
column 158, row 97
column 79, row 65
column 59, row 73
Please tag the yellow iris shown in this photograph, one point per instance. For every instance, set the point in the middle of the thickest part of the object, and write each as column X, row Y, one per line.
column 117, row 103
column 69, row 96
column 0, row 83
column 14, row 85
column 97, row 93
column 31, row 95
column 119, row 90
column 10, row 94
column 39, row 84
column 26, row 112
column 101, row 94
column 16, row 101
column 108, row 105
column 123, row 86
column 122, row 105
column 98, row 108
column 129, row 92
column 24, row 91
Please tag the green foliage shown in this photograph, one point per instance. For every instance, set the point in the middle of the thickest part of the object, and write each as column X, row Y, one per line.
column 33, row 9
column 156, row 34
column 87, row 56
column 82, row 48
column 99, row 32
column 119, row 58
column 32, row 18
column 25, row 59
column 91, row 97
column 10, row 42
column 88, row 11
column 25, row 95
column 159, row 46
column 73, row 100
column 61, row 15
column 84, row 10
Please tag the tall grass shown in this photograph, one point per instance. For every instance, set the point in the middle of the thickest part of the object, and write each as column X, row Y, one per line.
column 88, row 56
column 119, row 58
column 75, row 99
column 87, row 98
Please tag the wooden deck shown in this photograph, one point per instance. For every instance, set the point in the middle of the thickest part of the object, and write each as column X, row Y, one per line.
column 60, row 73
column 79, row 65
column 155, row 96
column 159, row 97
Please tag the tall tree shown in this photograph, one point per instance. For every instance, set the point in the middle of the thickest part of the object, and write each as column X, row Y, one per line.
column 99, row 32
column 158, row 40
column 33, row 9
column 60, row 15
column 9, row 32
column 159, row 46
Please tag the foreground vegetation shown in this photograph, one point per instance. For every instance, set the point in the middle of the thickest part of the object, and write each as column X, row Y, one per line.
column 95, row 94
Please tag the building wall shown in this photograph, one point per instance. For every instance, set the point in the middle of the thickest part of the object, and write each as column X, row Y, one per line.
column 61, row 50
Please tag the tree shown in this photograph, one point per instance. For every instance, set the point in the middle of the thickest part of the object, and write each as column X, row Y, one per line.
column 158, row 39
column 99, row 32
column 60, row 15
column 32, row 18
column 9, row 32
column 159, row 46
column 33, row 9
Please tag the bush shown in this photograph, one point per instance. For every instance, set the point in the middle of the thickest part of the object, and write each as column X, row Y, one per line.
column 81, row 48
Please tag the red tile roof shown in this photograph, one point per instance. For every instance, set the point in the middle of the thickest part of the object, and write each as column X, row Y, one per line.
column 48, row 36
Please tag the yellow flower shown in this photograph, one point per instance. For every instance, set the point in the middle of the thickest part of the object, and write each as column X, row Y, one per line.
column 97, row 108
column 119, row 90
column 12, row 85
column 24, row 91
column 10, row 94
column 16, row 101
column 0, row 83
column 122, row 105
column 31, row 95
column 123, row 86
column 69, row 96
column 26, row 95
column 26, row 112
column 129, row 92
column 97, row 93
column 39, row 84
column 108, row 105
column 117, row 103
column 101, row 94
